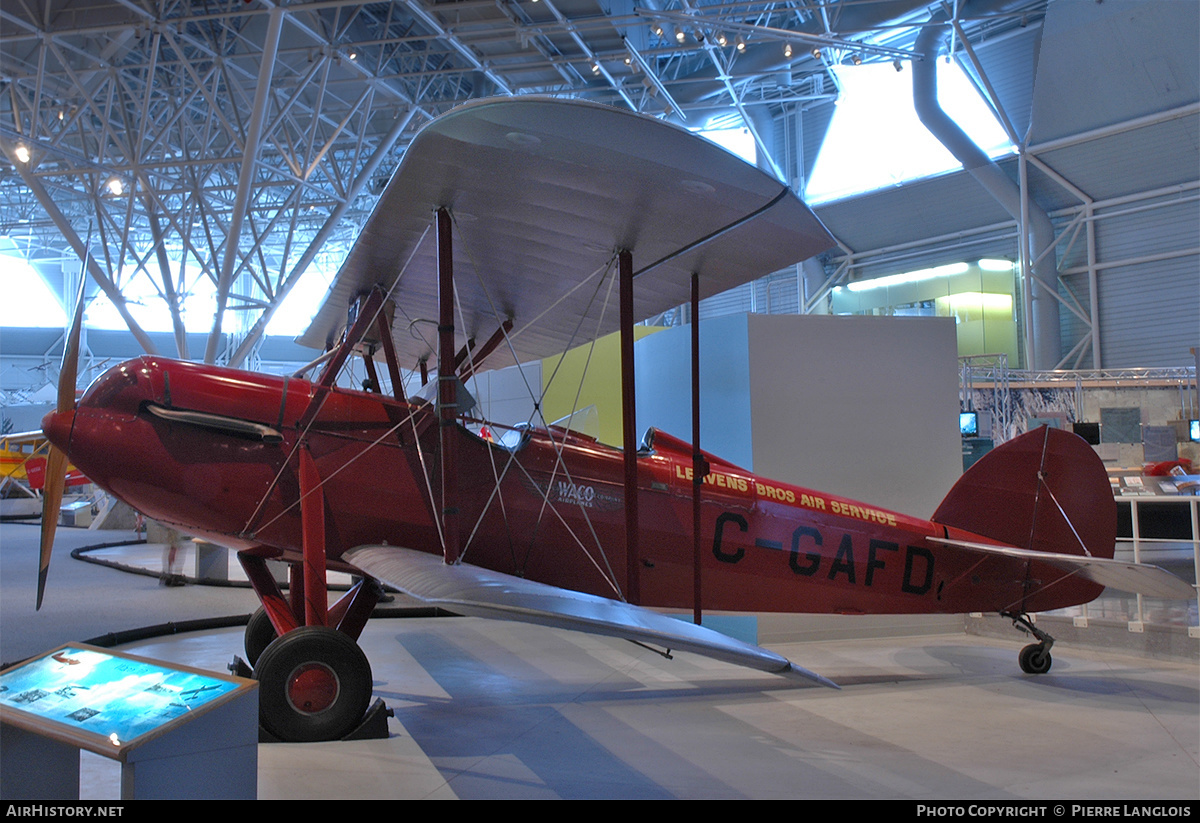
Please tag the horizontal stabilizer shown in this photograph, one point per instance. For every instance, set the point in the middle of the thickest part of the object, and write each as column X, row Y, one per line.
column 478, row 592
column 1139, row 578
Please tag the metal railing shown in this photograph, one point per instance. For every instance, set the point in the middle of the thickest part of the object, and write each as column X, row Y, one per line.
column 1139, row 543
column 1138, row 611
column 990, row 372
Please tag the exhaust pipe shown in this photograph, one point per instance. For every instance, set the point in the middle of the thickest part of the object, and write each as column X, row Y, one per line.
column 1044, row 323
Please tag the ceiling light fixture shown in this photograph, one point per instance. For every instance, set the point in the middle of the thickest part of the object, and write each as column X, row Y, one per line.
column 988, row 264
column 688, row 19
column 908, row 277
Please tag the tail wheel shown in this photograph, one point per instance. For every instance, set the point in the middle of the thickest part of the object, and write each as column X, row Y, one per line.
column 314, row 683
column 1035, row 659
column 259, row 634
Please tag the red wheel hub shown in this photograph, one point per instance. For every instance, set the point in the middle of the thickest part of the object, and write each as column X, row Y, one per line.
column 312, row 688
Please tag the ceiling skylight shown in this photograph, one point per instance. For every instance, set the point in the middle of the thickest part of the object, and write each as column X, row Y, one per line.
column 737, row 141
column 875, row 139
column 28, row 301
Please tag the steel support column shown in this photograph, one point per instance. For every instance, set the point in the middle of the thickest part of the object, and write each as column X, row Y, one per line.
column 63, row 224
column 246, row 176
column 323, row 234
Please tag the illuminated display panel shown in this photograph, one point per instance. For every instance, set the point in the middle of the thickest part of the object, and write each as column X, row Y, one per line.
column 111, row 699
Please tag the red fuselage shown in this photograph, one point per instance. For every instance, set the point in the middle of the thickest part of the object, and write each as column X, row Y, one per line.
column 767, row 546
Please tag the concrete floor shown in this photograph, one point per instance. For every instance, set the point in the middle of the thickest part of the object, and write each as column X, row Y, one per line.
column 493, row 710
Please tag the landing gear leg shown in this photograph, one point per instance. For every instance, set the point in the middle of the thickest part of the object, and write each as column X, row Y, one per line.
column 1034, row 658
column 314, row 680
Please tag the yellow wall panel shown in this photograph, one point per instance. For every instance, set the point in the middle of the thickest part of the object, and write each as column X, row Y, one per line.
column 600, row 387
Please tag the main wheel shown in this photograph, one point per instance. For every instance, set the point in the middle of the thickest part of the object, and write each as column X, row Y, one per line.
column 1034, row 659
column 314, row 683
column 259, row 634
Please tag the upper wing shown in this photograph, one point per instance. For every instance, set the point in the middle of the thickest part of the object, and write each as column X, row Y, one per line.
column 1140, row 578
column 35, row 438
column 478, row 592
column 543, row 192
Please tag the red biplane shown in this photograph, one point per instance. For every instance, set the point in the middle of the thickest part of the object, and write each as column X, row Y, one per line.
column 519, row 218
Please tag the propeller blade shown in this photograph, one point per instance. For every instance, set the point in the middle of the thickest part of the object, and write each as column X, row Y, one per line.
column 56, row 479
column 68, row 374
column 56, row 461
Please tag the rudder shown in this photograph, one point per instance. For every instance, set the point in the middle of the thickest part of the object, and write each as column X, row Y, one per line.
column 1046, row 490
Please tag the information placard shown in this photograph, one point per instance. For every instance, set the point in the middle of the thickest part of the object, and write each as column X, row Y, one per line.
column 105, row 701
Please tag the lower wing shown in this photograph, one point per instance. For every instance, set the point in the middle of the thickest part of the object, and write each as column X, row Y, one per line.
column 478, row 592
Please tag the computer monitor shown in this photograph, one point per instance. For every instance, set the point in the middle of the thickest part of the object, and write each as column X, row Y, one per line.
column 968, row 424
column 1194, row 430
column 1088, row 431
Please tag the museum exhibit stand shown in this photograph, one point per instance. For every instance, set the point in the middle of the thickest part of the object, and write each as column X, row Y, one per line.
column 178, row 732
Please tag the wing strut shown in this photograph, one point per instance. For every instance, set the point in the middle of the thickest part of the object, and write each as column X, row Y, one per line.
column 629, row 426
column 699, row 464
column 629, row 436
column 447, row 386
column 368, row 311
column 487, row 348
column 393, row 362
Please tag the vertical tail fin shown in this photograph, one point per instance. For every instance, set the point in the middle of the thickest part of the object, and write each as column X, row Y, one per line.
column 1046, row 491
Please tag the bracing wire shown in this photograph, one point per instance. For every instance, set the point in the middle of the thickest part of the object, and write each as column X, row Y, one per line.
column 340, row 468
column 304, row 434
column 558, row 447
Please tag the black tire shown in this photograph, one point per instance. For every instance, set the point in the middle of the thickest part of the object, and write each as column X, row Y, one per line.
column 259, row 634
column 1034, row 659
column 314, row 683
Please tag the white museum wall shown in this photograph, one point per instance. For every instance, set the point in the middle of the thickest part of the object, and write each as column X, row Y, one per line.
column 864, row 407
column 663, row 368
column 503, row 394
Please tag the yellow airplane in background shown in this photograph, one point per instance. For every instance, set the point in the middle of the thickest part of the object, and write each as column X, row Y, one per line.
column 23, row 463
